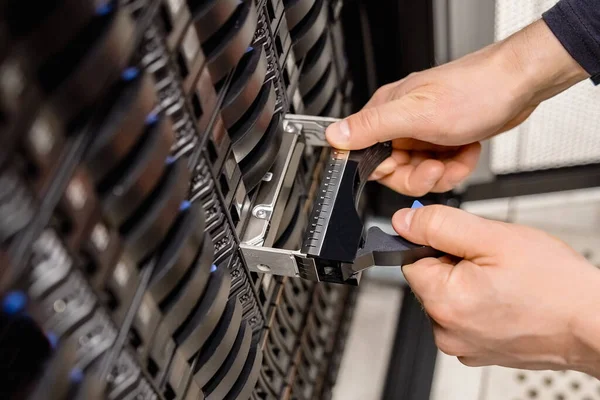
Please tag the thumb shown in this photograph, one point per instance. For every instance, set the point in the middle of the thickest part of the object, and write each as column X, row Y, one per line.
column 450, row 230
column 406, row 117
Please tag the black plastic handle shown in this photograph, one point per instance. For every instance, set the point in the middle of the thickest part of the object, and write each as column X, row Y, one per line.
column 386, row 250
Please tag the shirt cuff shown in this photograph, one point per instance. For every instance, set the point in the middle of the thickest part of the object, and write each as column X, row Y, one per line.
column 578, row 38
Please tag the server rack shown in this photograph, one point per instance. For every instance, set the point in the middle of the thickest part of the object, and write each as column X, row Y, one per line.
column 138, row 136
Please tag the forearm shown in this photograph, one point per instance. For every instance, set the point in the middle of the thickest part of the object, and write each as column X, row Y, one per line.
column 586, row 329
column 541, row 66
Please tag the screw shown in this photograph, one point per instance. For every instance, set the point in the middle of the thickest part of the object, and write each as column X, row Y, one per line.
column 261, row 214
column 290, row 128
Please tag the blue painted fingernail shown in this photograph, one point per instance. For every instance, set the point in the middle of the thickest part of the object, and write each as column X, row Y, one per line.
column 416, row 204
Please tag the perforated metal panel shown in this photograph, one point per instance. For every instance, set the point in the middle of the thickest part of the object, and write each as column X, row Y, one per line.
column 564, row 131
column 508, row 384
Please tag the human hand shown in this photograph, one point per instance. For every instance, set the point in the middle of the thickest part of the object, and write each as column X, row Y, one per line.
column 437, row 118
column 513, row 296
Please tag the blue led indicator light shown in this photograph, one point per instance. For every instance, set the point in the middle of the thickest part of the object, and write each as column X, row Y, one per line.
column 130, row 73
column 170, row 160
column 14, row 302
column 416, row 204
column 213, row 268
column 104, row 9
column 151, row 119
column 52, row 339
column 184, row 205
column 76, row 375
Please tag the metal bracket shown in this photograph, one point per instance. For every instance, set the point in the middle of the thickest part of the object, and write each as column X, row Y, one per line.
column 312, row 128
column 274, row 193
column 271, row 200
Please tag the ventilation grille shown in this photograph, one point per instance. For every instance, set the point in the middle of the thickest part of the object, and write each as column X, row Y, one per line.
column 564, row 131
column 508, row 384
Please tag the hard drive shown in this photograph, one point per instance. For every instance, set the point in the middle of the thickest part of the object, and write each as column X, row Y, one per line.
column 311, row 351
column 124, row 125
column 17, row 203
column 274, row 380
column 123, row 377
column 301, row 389
column 178, row 376
column 101, row 250
column 259, row 162
column 94, row 337
column 225, row 48
column 247, row 380
column 284, row 336
column 91, row 387
column 248, row 131
column 43, row 144
column 308, row 369
column 296, row 295
column 179, row 304
column 280, row 358
column 262, row 391
column 210, row 16
column 296, row 10
column 149, row 224
column 284, row 322
column 198, row 327
column 245, row 86
column 315, row 64
column 294, row 317
column 144, row 326
column 68, row 306
column 228, row 374
column 81, row 73
column 204, row 100
column 292, row 207
column 121, row 287
column 216, row 349
column 143, row 391
column 306, row 33
column 50, row 264
column 333, row 108
column 132, row 180
column 78, row 209
column 179, row 252
column 291, row 238
column 194, row 392
column 316, row 100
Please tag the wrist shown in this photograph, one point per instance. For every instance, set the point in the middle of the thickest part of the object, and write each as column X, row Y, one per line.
column 540, row 65
column 585, row 327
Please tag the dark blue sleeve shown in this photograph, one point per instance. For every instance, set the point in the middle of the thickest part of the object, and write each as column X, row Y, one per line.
column 576, row 24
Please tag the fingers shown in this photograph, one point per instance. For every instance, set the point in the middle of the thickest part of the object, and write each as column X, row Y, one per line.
column 450, row 230
column 427, row 276
column 405, row 117
column 385, row 168
column 415, row 180
column 416, row 173
column 458, row 168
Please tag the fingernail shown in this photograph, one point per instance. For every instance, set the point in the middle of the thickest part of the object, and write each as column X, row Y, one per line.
column 377, row 175
column 404, row 221
column 339, row 133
